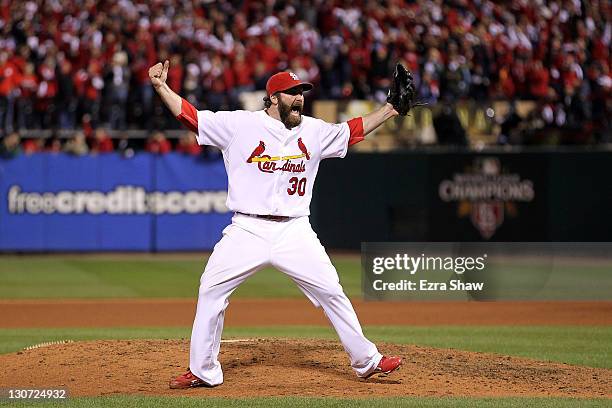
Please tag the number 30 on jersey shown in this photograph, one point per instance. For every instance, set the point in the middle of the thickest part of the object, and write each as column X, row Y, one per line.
column 297, row 185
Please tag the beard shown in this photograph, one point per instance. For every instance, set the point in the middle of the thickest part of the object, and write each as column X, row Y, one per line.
column 291, row 115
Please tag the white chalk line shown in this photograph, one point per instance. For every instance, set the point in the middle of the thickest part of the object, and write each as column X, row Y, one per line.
column 47, row 343
column 51, row 343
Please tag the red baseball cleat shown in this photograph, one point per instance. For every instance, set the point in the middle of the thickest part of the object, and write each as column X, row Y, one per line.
column 188, row 380
column 386, row 365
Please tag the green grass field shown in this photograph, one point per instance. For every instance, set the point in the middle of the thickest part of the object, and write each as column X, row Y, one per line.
column 56, row 277
column 306, row 402
column 99, row 277
column 159, row 276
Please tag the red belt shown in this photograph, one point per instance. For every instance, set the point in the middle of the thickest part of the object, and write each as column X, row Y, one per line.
column 267, row 217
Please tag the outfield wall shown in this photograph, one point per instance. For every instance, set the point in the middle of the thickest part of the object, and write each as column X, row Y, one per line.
column 461, row 196
column 53, row 202
column 109, row 203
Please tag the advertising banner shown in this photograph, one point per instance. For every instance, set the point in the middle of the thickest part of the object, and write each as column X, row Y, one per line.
column 110, row 203
column 488, row 197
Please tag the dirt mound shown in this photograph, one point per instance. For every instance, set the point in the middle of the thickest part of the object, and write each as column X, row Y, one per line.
column 275, row 367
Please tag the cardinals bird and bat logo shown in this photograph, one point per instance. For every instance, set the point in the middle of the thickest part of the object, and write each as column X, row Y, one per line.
column 269, row 164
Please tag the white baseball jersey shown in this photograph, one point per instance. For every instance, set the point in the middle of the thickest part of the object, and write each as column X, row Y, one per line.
column 271, row 169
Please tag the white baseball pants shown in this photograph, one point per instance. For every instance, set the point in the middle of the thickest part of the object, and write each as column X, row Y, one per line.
column 249, row 244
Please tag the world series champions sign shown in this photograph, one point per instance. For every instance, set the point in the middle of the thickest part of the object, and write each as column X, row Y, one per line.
column 488, row 197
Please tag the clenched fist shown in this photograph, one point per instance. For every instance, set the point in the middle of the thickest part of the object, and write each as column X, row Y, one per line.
column 158, row 73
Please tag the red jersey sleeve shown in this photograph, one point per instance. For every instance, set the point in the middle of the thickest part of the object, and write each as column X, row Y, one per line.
column 356, row 128
column 188, row 116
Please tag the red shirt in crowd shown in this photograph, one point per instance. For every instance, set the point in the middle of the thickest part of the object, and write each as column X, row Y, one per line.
column 158, row 146
column 28, row 85
column 33, row 145
column 175, row 77
column 9, row 78
column 189, row 146
column 48, row 85
column 243, row 72
column 538, row 81
column 101, row 142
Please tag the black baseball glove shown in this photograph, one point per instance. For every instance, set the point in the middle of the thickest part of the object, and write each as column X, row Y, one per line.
column 402, row 94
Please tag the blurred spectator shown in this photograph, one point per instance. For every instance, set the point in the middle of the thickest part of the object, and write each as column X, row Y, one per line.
column 60, row 63
column 66, row 97
column 54, row 145
column 331, row 82
column 28, row 87
column 89, row 84
column 158, row 144
column 449, row 130
column 125, row 146
column 143, row 91
column 538, row 80
column 217, row 84
column 47, row 91
column 118, row 88
column 87, row 126
column 9, row 84
column 429, row 91
column 577, row 116
column 456, row 76
column 32, row 146
column 101, row 142
column 260, row 76
column 191, row 86
column 9, row 146
column 243, row 73
column 77, row 145
column 511, row 128
column 600, row 84
column 380, row 71
column 479, row 88
column 175, row 73
column 188, row 144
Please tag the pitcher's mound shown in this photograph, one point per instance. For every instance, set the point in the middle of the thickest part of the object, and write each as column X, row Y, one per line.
column 274, row 367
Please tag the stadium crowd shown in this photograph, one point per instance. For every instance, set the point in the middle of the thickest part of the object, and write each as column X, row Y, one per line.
column 99, row 142
column 80, row 64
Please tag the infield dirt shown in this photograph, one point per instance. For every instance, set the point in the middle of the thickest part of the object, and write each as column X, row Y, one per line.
column 284, row 367
column 279, row 367
column 267, row 312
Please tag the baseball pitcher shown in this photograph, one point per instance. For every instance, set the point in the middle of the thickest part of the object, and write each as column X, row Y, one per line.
column 272, row 157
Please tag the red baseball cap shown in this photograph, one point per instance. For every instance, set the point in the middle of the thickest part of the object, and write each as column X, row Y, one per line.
column 285, row 80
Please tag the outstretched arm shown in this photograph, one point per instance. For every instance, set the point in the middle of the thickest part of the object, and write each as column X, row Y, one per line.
column 361, row 126
column 185, row 112
column 158, row 74
column 376, row 118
